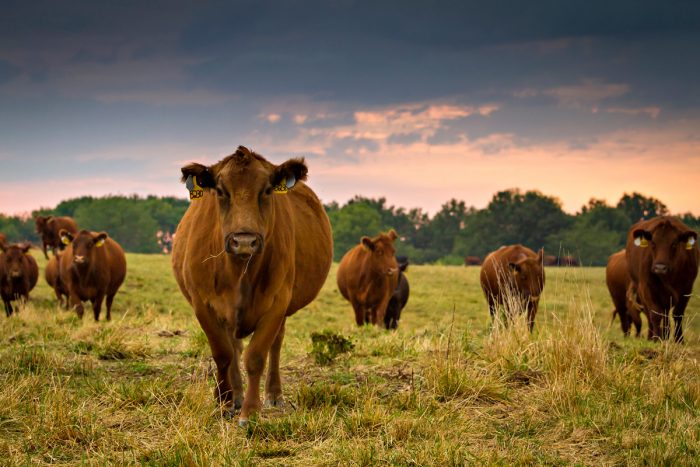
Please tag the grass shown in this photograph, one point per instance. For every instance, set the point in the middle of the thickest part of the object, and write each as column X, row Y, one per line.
column 445, row 389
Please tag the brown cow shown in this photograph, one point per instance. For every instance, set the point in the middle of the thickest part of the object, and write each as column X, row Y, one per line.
column 472, row 261
column 92, row 267
column 368, row 275
column 618, row 280
column 569, row 261
column 18, row 274
column 279, row 249
column 53, row 278
column 662, row 257
column 49, row 227
column 511, row 272
column 550, row 260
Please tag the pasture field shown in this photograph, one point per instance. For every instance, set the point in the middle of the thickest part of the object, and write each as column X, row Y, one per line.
column 442, row 390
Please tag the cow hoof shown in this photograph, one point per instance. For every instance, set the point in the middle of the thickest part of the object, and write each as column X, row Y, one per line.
column 274, row 402
column 242, row 423
column 237, row 403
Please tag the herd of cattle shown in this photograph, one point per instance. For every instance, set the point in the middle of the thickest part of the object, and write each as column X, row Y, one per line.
column 279, row 249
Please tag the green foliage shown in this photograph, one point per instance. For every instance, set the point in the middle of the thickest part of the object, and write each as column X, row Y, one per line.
column 327, row 345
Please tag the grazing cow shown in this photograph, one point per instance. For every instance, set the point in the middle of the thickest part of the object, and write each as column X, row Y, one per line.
column 618, row 280
column 49, row 227
column 53, row 278
column 513, row 272
column 662, row 257
column 367, row 277
column 399, row 297
column 279, row 249
column 568, row 260
column 92, row 267
column 472, row 261
column 18, row 274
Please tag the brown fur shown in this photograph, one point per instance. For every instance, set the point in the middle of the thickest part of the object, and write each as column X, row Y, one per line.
column 618, row 280
column 3, row 240
column 367, row 277
column 53, row 278
column 550, row 260
column 234, row 295
column 18, row 274
column 472, row 261
column 510, row 269
column 658, row 292
column 48, row 229
column 99, row 277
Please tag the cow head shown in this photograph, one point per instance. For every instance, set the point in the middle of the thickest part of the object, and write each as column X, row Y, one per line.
column 667, row 243
column 84, row 245
column 529, row 275
column 382, row 249
column 14, row 259
column 402, row 262
column 245, row 186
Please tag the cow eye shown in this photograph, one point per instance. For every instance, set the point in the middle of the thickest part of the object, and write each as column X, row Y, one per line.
column 220, row 192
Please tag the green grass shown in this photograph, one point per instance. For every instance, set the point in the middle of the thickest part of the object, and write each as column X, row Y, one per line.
column 444, row 389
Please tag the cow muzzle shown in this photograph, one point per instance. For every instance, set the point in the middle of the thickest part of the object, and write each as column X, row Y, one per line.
column 244, row 244
column 15, row 274
column 391, row 271
column 660, row 268
column 78, row 259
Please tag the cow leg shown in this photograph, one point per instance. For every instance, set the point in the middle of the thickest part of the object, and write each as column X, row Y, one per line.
column 665, row 325
column 359, row 313
column 108, row 304
column 624, row 322
column 58, row 297
column 273, row 382
column 380, row 310
column 97, row 306
column 8, row 308
column 678, row 312
column 77, row 305
column 636, row 319
column 264, row 336
column 43, row 245
column 531, row 313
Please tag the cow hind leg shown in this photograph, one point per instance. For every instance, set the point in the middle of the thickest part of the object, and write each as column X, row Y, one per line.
column 273, row 382
column 8, row 308
column 678, row 312
column 359, row 313
column 97, row 306
column 77, row 304
column 108, row 304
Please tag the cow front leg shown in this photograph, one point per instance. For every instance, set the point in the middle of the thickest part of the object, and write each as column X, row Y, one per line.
column 678, row 312
column 97, row 306
column 77, row 305
column 273, row 382
column 8, row 308
column 359, row 313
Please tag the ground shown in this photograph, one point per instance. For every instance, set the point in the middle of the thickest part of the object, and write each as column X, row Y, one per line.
column 445, row 389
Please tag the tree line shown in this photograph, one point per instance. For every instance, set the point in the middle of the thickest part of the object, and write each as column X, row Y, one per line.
column 455, row 231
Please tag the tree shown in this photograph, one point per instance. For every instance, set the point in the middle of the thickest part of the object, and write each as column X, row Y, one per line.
column 639, row 207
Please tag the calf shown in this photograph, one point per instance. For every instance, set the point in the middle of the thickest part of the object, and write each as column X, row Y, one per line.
column 662, row 259
column 367, row 277
column 399, row 297
column 618, row 281
column 92, row 268
column 53, row 278
column 511, row 272
column 49, row 227
column 18, row 274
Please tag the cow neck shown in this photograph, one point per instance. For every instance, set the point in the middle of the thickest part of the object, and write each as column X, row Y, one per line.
column 86, row 274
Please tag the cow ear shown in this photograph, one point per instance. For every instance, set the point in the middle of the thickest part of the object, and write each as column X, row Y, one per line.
column 65, row 236
column 392, row 235
column 205, row 178
column 288, row 174
column 25, row 247
column 99, row 239
column 367, row 243
column 540, row 255
column 641, row 237
column 690, row 238
column 514, row 268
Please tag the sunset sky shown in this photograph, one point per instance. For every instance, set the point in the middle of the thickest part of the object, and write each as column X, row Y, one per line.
column 419, row 102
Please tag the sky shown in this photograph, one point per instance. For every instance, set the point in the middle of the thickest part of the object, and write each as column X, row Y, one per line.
column 418, row 102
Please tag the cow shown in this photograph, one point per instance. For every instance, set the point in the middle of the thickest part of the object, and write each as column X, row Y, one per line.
column 53, row 278
column 618, row 281
column 550, row 260
column 278, row 250
column 513, row 274
column 569, row 261
column 399, row 298
column 662, row 259
column 368, row 276
column 19, row 273
column 48, row 229
column 92, row 267
column 472, row 261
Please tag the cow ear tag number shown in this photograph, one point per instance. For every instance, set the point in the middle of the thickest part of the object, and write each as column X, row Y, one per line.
column 283, row 187
column 100, row 242
column 641, row 242
column 690, row 244
column 65, row 240
column 196, row 191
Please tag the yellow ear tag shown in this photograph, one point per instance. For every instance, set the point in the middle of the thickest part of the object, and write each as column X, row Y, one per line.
column 196, row 191
column 100, row 242
column 283, row 187
column 65, row 240
column 641, row 242
column 690, row 244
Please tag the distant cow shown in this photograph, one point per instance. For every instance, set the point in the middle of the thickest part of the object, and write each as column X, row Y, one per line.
column 550, row 260
column 368, row 275
column 279, row 249
column 48, row 229
column 53, row 278
column 399, row 298
column 662, row 257
column 618, row 280
column 513, row 274
column 568, row 260
column 18, row 274
column 472, row 261
column 92, row 267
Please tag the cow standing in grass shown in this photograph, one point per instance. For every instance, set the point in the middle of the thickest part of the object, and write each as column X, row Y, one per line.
column 92, row 267
column 367, row 277
column 253, row 248
column 513, row 275
column 18, row 274
column 399, row 297
column 49, row 228
column 618, row 281
column 662, row 257
column 52, row 275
